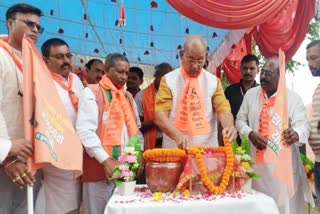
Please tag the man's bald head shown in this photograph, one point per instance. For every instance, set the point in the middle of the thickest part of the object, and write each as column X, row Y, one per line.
column 273, row 62
column 195, row 41
column 194, row 54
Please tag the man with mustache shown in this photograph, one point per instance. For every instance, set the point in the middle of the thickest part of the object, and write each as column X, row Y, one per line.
column 94, row 71
column 190, row 100
column 235, row 93
column 257, row 104
column 21, row 19
column 62, row 191
column 107, row 119
column 313, row 58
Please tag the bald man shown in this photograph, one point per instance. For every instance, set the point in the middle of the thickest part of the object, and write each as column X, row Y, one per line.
column 247, row 123
column 190, row 100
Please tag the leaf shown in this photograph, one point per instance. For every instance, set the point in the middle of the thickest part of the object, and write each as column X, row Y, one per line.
column 234, row 146
column 117, row 171
column 255, row 176
column 118, row 182
column 245, row 144
column 306, row 160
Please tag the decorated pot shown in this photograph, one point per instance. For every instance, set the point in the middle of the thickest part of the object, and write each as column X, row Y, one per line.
column 163, row 177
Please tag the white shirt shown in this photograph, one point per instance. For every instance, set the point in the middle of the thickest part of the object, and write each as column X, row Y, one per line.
column 11, row 104
column 87, row 125
column 248, row 120
column 77, row 87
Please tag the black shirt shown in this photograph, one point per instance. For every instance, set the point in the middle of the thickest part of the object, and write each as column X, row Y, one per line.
column 234, row 93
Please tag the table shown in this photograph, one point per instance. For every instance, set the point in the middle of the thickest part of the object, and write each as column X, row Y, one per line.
column 142, row 202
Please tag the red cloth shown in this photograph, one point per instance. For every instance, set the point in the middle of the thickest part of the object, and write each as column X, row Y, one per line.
column 286, row 30
column 231, row 65
column 229, row 14
column 278, row 24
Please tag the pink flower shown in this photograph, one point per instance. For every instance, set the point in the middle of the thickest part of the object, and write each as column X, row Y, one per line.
column 128, row 158
column 122, row 158
column 126, row 174
column 131, row 158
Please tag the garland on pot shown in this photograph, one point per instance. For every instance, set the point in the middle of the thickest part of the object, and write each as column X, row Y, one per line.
column 164, row 155
column 198, row 153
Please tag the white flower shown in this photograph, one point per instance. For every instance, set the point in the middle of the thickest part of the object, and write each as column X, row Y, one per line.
column 246, row 157
column 124, row 166
column 250, row 170
column 129, row 150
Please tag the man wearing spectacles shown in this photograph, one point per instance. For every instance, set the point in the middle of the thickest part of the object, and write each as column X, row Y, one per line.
column 62, row 190
column 14, row 149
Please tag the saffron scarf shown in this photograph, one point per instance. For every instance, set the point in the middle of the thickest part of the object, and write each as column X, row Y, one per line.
column 191, row 115
column 120, row 113
column 264, row 122
column 4, row 44
column 72, row 95
column 148, row 102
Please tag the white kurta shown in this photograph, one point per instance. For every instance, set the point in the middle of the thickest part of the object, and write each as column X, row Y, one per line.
column 13, row 199
column 11, row 107
column 97, row 194
column 11, row 128
column 61, row 190
column 208, row 84
column 248, row 120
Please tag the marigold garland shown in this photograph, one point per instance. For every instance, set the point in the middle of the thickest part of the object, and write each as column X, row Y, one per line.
column 198, row 153
column 164, row 155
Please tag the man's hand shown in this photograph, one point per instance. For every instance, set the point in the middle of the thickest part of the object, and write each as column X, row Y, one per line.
column 290, row 136
column 22, row 149
column 231, row 132
column 258, row 141
column 20, row 174
column 183, row 141
column 109, row 165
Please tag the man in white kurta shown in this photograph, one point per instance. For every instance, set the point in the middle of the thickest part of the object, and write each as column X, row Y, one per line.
column 13, row 199
column 61, row 190
column 96, row 194
column 190, row 100
column 247, row 123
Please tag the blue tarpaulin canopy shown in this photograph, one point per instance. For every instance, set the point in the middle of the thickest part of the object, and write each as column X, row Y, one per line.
column 154, row 31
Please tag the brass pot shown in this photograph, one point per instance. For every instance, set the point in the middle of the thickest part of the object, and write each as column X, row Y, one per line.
column 163, row 177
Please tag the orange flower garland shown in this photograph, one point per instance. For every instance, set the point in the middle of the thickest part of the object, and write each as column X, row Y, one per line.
column 164, row 155
column 227, row 149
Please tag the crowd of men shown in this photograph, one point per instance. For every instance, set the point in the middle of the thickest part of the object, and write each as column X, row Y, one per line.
column 181, row 108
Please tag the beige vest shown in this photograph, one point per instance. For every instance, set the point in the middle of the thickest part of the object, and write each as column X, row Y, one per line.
column 208, row 85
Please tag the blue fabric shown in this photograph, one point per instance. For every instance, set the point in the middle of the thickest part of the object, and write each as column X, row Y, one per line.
column 169, row 28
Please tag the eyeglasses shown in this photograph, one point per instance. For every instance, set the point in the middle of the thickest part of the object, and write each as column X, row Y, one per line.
column 31, row 25
column 61, row 56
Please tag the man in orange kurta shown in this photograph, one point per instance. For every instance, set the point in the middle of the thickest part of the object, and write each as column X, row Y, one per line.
column 145, row 101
